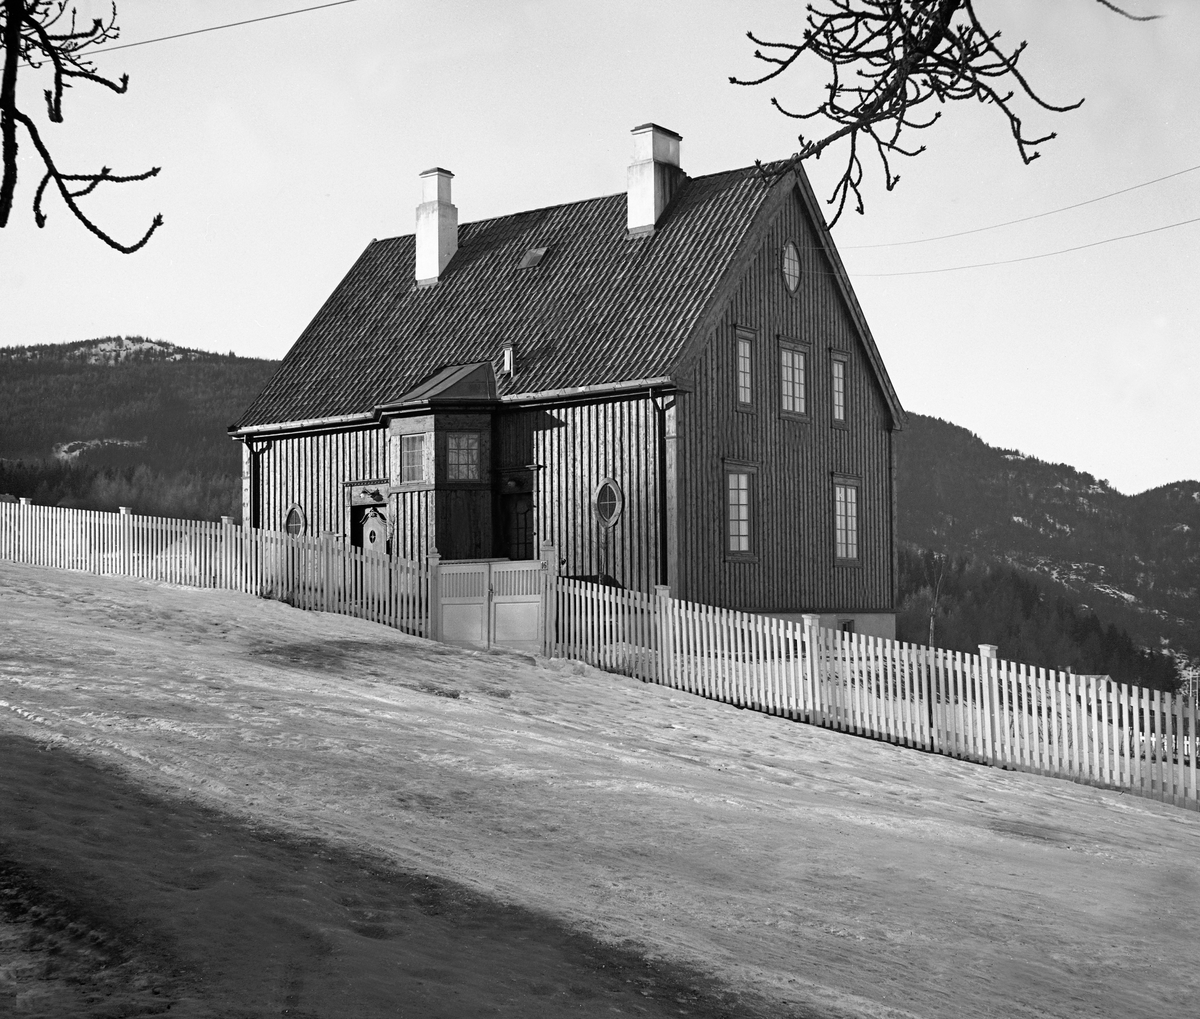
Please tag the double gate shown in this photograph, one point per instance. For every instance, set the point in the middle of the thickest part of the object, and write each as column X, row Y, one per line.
column 483, row 603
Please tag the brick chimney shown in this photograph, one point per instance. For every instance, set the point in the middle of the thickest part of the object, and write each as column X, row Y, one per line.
column 437, row 226
column 654, row 175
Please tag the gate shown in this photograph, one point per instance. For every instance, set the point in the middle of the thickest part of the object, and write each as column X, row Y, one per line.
column 483, row 603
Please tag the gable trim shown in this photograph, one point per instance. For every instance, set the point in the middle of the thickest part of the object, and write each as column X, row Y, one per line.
column 740, row 263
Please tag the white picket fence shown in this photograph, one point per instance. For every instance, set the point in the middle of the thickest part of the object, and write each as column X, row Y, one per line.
column 970, row 706
column 318, row 573
column 974, row 707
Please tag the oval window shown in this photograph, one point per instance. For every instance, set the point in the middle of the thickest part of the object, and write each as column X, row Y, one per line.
column 294, row 524
column 608, row 502
column 791, row 266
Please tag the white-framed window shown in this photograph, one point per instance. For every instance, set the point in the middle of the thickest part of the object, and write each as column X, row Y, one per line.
column 790, row 266
column 608, row 502
column 837, row 388
column 462, row 456
column 793, row 379
column 745, row 370
column 845, row 520
column 412, row 459
column 738, row 508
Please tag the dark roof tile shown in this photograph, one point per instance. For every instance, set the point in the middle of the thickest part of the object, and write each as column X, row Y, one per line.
column 599, row 308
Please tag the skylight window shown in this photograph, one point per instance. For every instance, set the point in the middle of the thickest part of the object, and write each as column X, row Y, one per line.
column 532, row 257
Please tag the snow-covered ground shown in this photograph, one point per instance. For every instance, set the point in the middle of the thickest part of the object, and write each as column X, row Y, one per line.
column 821, row 870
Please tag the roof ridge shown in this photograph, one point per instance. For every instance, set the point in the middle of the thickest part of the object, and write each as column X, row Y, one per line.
column 747, row 170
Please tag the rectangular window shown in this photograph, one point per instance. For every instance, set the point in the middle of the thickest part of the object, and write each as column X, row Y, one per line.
column 412, row 459
column 845, row 499
column 838, row 367
column 745, row 368
column 793, row 395
column 462, row 456
column 738, row 505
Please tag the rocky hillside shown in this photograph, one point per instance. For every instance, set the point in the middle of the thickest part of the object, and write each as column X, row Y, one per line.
column 1134, row 559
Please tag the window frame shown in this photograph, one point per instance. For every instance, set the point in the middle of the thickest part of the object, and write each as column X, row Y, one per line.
column 853, row 484
column 786, row 343
column 451, row 436
column 299, row 511
column 750, row 470
column 792, row 291
column 839, row 357
column 422, row 466
column 618, row 511
column 747, row 337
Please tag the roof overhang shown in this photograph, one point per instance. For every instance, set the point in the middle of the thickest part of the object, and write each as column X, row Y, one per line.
column 425, row 398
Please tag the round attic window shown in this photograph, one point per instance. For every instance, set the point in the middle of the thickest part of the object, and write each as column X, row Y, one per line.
column 791, row 267
column 609, row 502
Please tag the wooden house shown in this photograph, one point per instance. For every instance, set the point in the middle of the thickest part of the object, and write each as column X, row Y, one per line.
column 675, row 385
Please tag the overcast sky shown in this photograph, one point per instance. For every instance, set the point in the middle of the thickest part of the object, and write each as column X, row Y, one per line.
column 286, row 146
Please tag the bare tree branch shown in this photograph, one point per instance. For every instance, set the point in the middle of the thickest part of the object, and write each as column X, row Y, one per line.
column 30, row 37
column 889, row 58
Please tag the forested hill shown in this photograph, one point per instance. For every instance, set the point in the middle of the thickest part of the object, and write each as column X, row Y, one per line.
column 142, row 423
column 125, row 421
column 1134, row 559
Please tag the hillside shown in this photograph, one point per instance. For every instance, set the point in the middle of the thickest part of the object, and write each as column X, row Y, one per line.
column 125, row 421
column 1135, row 560
column 824, row 874
column 137, row 422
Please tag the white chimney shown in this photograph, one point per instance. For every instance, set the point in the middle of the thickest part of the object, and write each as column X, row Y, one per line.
column 653, row 176
column 437, row 226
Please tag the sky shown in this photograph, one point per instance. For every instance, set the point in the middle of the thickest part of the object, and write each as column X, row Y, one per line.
column 287, row 145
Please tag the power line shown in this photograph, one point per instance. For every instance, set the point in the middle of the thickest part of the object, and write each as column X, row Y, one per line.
column 217, row 28
column 1024, row 219
column 1030, row 258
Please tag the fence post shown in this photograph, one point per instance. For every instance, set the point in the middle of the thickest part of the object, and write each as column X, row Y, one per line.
column 812, row 637
column 24, row 530
column 433, row 564
column 126, row 565
column 549, row 598
column 226, row 580
column 662, row 610
column 991, row 717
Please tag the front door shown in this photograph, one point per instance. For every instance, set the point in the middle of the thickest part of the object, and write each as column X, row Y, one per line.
column 516, row 521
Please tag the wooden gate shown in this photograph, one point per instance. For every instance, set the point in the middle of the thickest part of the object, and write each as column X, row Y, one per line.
column 483, row 603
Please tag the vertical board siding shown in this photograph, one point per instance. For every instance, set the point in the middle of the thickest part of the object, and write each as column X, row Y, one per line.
column 309, row 471
column 576, row 447
column 796, row 459
column 1082, row 728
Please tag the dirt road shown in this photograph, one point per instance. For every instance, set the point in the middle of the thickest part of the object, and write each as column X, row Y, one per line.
column 827, row 874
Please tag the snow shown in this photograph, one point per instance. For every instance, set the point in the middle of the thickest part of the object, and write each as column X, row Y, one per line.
column 1116, row 592
column 843, row 875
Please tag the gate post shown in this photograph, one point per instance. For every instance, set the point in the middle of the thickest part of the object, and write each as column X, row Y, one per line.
column 433, row 629
column 549, row 598
column 812, row 667
column 662, row 609
column 991, row 713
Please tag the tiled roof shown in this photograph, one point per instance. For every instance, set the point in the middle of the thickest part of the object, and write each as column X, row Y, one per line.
column 599, row 308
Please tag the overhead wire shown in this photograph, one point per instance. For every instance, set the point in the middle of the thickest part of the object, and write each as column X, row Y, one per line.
column 217, row 28
column 1030, row 258
column 1023, row 219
